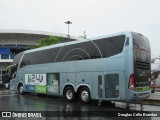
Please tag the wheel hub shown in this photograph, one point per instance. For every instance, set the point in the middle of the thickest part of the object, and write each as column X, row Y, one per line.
column 84, row 95
column 69, row 94
column 21, row 89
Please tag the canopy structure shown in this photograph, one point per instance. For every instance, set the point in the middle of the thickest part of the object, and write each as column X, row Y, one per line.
column 14, row 41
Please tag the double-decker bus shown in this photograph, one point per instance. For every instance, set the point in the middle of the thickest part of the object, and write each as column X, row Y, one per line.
column 114, row 67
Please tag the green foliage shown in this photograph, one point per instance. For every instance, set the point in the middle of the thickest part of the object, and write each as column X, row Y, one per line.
column 48, row 41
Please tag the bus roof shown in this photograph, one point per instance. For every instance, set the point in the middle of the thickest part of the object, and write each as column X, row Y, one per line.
column 74, row 42
column 111, row 35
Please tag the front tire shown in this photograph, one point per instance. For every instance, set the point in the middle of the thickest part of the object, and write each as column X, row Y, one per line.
column 84, row 95
column 21, row 89
column 69, row 93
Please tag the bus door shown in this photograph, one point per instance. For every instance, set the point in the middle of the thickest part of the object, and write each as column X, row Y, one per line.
column 97, row 85
column 53, row 83
column 111, row 84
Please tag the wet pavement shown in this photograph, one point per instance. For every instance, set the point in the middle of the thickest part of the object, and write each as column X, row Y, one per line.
column 7, row 91
column 12, row 101
column 155, row 96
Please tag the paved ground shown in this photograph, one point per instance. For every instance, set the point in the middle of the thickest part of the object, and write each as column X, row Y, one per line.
column 6, row 91
column 155, row 96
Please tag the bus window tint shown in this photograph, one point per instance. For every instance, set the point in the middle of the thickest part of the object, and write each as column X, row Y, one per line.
column 111, row 46
column 40, row 57
column 86, row 50
column 17, row 58
column 114, row 45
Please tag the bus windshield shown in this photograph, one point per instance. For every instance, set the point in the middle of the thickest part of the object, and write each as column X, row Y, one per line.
column 17, row 58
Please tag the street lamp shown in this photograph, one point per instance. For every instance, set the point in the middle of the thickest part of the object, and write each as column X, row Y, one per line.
column 68, row 22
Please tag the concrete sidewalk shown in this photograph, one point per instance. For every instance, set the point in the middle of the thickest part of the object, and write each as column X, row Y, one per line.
column 3, row 91
column 155, row 96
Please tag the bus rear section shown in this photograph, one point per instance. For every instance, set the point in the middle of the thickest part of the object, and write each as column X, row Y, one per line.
column 139, row 81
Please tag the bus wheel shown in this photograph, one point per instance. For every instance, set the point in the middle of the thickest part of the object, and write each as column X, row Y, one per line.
column 21, row 89
column 70, row 94
column 84, row 95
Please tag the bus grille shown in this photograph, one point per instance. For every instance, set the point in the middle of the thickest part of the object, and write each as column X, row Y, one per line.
column 142, row 65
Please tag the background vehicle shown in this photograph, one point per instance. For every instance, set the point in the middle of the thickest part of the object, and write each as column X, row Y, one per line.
column 113, row 67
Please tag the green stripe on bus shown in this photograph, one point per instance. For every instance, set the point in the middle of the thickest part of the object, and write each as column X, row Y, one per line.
column 141, row 89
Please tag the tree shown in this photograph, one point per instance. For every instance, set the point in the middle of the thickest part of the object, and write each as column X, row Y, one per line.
column 154, row 59
column 48, row 41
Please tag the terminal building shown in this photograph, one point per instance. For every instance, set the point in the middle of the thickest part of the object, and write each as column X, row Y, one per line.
column 13, row 42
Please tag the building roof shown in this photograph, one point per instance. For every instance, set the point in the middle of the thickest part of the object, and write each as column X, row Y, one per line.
column 12, row 31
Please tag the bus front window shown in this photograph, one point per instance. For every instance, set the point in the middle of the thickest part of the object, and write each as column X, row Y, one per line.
column 11, row 72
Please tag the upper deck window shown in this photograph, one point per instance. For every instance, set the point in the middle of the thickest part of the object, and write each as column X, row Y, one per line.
column 99, row 48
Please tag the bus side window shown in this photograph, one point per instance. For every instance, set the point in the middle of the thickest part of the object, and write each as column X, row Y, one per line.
column 22, row 64
column 127, row 41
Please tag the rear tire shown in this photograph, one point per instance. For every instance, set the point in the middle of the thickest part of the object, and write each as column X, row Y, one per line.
column 69, row 94
column 21, row 89
column 84, row 95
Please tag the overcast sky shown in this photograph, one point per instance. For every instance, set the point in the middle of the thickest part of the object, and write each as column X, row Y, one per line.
column 96, row 17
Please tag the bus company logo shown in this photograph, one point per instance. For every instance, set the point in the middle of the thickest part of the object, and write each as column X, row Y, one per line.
column 34, row 78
